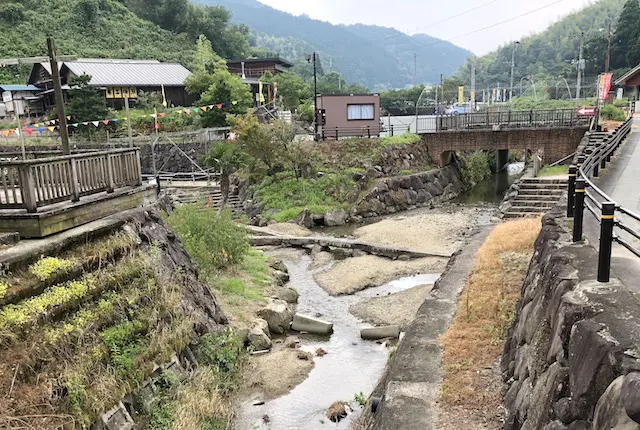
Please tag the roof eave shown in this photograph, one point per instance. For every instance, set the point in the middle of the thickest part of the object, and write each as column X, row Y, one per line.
column 624, row 78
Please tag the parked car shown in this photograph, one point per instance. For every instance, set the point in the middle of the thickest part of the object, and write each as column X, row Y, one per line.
column 458, row 109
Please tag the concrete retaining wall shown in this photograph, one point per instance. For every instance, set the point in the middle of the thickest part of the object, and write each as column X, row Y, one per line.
column 572, row 356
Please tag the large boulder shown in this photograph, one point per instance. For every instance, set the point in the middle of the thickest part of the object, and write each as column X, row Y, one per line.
column 335, row 218
column 258, row 339
column 287, row 294
column 631, row 395
column 277, row 315
column 305, row 219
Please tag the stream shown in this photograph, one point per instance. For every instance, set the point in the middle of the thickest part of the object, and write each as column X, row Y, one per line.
column 350, row 367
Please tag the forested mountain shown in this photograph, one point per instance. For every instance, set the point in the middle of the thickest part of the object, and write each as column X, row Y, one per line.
column 553, row 53
column 369, row 55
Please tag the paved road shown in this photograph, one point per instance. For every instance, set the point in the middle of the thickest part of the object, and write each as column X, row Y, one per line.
column 621, row 181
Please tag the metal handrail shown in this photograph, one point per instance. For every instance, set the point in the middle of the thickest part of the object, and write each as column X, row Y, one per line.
column 582, row 188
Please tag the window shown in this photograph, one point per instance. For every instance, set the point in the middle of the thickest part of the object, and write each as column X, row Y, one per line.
column 360, row 112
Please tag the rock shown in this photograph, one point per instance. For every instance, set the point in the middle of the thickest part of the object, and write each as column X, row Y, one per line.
column 258, row 339
column 338, row 411
column 289, row 295
column 564, row 410
column 320, row 352
column 279, row 265
column 262, row 222
column 281, row 278
column 376, row 333
column 305, row 219
column 311, row 325
column 555, row 425
column 335, row 218
column 630, row 395
column 277, row 315
column 291, row 342
column 262, row 325
column 357, row 177
column 302, row 355
column 257, row 403
column 610, row 412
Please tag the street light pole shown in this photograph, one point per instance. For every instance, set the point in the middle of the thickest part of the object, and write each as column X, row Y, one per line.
column 579, row 82
column 513, row 67
column 315, row 97
column 57, row 88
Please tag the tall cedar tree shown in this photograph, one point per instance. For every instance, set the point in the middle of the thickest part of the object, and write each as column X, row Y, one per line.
column 626, row 47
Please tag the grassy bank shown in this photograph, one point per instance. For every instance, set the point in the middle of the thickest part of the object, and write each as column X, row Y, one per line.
column 474, row 342
column 553, row 171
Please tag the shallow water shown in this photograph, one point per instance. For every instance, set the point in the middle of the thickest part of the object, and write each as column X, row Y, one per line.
column 351, row 365
column 492, row 189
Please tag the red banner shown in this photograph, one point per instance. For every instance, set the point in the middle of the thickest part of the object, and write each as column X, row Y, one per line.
column 605, row 85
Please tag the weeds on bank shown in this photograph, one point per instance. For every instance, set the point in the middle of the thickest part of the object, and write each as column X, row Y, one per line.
column 553, row 171
column 474, row 341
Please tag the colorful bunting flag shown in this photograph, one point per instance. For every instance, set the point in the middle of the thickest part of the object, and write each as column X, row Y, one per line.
column 187, row 111
column 5, row 133
column 51, row 128
column 75, row 125
column 204, row 108
column 162, row 114
column 219, row 105
column 195, row 109
column 234, row 102
column 96, row 123
column 105, row 121
column 29, row 131
column 40, row 130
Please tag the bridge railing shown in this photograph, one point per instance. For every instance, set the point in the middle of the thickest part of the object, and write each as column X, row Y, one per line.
column 617, row 223
column 512, row 119
column 31, row 184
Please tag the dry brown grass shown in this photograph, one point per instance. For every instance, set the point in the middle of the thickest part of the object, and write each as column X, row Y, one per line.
column 473, row 343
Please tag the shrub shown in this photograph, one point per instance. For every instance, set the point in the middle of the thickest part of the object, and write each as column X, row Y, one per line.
column 612, row 113
column 224, row 352
column 402, row 139
column 621, row 103
column 475, row 167
column 214, row 242
column 47, row 266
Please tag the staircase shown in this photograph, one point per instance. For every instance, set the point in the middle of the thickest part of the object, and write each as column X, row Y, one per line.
column 536, row 197
column 203, row 194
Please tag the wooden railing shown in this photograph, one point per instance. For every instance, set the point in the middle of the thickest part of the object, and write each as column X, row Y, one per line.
column 30, row 184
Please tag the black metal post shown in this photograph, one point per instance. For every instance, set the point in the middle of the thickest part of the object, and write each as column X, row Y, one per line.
column 391, row 130
column 596, row 170
column 571, row 190
column 603, row 162
column 581, row 159
column 578, row 216
column 315, row 97
column 607, row 222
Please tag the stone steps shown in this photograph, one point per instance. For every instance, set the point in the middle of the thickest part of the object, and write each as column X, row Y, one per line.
column 533, row 204
column 539, row 197
column 536, row 196
column 213, row 195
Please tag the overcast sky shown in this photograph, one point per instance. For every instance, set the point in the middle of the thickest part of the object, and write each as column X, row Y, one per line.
column 426, row 16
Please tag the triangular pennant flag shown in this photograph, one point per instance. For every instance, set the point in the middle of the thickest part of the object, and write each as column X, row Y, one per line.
column 210, row 106
column 85, row 123
column 29, row 131
column 187, row 111
column 196, row 109
column 16, row 131
column 219, row 105
column 69, row 117
column 5, row 133
column 143, row 116
column 163, row 114
column 75, row 124
column 105, row 121
column 114, row 120
column 234, row 102
column 179, row 112
column 204, row 108
column 226, row 104
column 40, row 130
column 153, row 115
column 96, row 123
column 51, row 128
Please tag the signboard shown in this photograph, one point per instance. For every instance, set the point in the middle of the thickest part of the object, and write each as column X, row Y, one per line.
column 121, row 93
column 587, row 111
column 605, row 85
column 620, row 93
column 7, row 96
column 460, row 95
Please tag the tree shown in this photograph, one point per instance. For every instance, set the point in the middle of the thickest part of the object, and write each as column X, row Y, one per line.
column 226, row 89
column 292, row 88
column 255, row 141
column 226, row 157
column 85, row 102
column 625, row 41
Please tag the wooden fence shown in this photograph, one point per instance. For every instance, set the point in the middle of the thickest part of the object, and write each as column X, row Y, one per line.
column 30, row 184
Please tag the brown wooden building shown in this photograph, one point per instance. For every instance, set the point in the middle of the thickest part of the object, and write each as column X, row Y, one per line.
column 118, row 79
column 631, row 79
column 251, row 70
column 348, row 115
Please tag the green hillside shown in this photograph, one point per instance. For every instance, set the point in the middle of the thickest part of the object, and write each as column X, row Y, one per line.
column 86, row 28
column 550, row 53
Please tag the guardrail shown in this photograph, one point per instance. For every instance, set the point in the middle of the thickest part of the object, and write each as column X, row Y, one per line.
column 584, row 194
column 512, row 119
column 30, row 184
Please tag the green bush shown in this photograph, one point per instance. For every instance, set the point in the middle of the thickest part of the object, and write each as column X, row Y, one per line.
column 224, row 352
column 214, row 242
column 612, row 113
column 475, row 166
column 621, row 103
column 403, row 139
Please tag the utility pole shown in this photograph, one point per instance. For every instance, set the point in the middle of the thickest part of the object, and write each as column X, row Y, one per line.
column 580, row 66
column 442, row 87
column 57, row 88
column 608, row 60
column 415, row 69
column 472, row 106
column 513, row 68
column 315, row 97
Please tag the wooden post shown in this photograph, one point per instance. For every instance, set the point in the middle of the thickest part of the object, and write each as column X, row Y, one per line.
column 75, row 190
column 139, row 171
column 110, row 184
column 57, row 87
column 126, row 106
column 28, row 189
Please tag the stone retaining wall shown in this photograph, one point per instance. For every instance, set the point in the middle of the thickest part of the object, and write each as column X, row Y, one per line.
column 391, row 195
column 572, row 359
